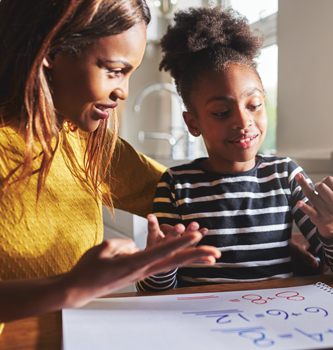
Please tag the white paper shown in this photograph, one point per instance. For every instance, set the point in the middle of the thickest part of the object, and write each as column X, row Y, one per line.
column 284, row 318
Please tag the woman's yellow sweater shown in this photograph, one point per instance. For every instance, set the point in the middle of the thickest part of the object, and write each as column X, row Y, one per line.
column 50, row 240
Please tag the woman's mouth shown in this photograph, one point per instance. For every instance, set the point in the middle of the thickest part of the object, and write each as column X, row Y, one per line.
column 103, row 111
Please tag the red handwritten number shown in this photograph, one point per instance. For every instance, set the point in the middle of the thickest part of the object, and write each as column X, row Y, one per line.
column 293, row 296
column 254, row 298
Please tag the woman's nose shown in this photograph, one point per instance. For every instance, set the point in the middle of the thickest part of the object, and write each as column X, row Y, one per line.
column 121, row 91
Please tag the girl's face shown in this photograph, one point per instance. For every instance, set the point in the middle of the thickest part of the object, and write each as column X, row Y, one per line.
column 85, row 88
column 230, row 116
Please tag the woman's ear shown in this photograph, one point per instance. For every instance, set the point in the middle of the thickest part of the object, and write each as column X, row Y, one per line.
column 48, row 62
column 192, row 124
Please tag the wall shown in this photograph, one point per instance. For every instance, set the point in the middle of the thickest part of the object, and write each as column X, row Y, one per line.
column 160, row 112
column 305, row 120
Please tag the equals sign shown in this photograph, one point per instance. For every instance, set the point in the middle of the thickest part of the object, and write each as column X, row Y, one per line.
column 234, row 300
column 285, row 335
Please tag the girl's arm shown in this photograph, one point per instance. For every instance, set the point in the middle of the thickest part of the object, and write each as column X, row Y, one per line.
column 321, row 212
column 102, row 269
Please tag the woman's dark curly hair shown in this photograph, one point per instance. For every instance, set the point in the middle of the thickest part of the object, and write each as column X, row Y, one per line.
column 204, row 39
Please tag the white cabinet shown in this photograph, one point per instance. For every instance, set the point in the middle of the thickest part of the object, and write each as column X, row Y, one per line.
column 125, row 225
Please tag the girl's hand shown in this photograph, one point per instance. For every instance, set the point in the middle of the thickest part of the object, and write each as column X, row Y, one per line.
column 321, row 212
column 158, row 233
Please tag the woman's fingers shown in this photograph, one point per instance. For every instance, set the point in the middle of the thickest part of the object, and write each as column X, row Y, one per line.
column 117, row 246
column 185, row 257
column 167, row 248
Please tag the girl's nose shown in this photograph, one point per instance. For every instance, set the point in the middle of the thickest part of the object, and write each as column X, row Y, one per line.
column 242, row 120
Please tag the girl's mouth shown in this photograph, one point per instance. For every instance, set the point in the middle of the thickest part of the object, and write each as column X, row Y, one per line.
column 246, row 141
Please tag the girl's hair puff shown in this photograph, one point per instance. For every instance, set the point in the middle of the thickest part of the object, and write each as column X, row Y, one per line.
column 203, row 39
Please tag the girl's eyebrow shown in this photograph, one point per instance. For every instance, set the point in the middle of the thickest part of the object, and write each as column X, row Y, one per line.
column 228, row 98
column 219, row 98
column 251, row 92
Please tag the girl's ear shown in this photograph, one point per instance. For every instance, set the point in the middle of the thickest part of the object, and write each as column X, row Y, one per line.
column 192, row 124
column 48, row 62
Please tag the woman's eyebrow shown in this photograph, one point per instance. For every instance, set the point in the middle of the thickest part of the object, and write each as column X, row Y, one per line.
column 126, row 64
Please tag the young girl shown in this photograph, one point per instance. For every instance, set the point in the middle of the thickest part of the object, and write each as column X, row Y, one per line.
column 245, row 200
column 64, row 64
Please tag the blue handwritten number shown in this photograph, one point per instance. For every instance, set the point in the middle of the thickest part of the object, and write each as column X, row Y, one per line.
column 219, row 320
column 315, row 336
column 277, row 313
column 315, row 310
column 261, row 342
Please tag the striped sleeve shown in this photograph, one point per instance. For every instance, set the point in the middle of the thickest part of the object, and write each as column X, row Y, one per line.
column 165, row 203
column 328, row 247
column 165, row 209
column 160, row 282
column 308, row 229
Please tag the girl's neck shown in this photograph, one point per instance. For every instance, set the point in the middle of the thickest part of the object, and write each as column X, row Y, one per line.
column 232, row 167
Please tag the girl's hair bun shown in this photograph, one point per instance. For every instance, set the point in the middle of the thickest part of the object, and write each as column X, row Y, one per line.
column 207, row 38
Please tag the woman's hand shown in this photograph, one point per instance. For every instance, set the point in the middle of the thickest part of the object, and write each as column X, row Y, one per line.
column 321, row 212
column 102, row 269
column 109, row 267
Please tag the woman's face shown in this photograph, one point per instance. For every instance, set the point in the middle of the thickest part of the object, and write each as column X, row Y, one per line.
column 86, row 87
column 230, row 116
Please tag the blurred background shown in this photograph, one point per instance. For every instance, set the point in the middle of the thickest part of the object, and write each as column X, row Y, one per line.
column 296, row 69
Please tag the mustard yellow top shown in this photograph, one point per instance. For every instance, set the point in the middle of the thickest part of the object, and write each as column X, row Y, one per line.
column 51, row 240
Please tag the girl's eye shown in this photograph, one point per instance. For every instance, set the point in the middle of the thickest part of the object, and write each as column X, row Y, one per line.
column 221, row 114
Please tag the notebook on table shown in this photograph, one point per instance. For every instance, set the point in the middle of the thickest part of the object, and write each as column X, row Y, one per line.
column 283, row 318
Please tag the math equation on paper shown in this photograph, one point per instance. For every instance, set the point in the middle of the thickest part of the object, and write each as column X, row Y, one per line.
column 269, row 320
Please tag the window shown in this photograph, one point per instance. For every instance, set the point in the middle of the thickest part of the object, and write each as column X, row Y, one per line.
column 262, row 15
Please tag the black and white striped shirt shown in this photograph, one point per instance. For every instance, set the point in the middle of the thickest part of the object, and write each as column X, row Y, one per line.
column 249, row 216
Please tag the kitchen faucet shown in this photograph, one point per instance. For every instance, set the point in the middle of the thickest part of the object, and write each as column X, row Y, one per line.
column 188, row 139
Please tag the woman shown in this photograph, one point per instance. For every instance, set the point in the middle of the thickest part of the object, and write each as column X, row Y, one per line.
column 63, row 66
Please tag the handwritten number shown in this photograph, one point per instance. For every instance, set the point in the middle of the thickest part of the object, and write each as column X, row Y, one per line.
column 293, row 296
column 254, row 298
column 315, row 310
column 261, row 342
column 315, row 336
column 219, row 320
column 275, row 312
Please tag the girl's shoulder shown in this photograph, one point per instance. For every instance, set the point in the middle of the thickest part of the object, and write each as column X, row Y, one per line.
column 278, row 164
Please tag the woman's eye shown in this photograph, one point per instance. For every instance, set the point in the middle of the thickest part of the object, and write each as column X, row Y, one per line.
column 115, row 72
column 255, row 108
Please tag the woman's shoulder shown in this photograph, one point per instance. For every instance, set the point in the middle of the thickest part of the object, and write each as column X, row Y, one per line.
column 11, row 138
